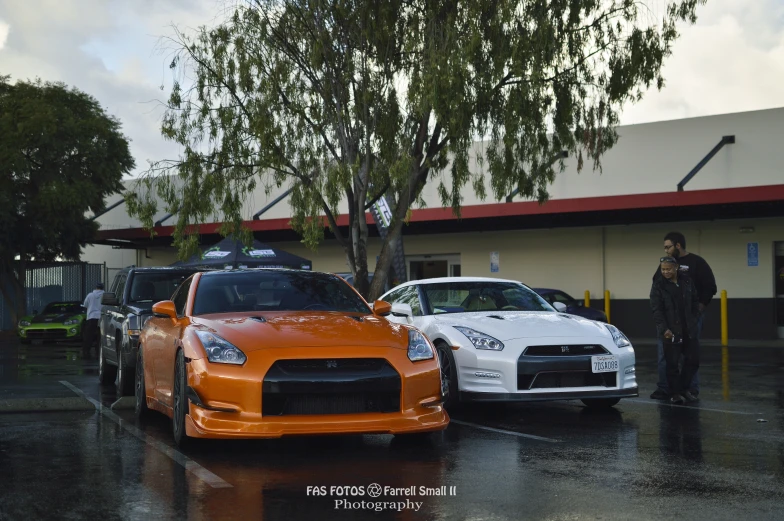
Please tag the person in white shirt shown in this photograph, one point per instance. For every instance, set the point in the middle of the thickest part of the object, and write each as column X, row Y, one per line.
column 90, row 333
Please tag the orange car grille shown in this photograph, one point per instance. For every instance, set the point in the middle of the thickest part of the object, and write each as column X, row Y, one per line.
column 331, row 386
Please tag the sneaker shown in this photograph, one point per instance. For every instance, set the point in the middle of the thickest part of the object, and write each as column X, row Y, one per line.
column 694, row 392
column 658, row 394
column 676, row 400
column 690, row 397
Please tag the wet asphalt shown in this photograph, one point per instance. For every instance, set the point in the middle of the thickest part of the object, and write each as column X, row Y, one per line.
column 555, row 460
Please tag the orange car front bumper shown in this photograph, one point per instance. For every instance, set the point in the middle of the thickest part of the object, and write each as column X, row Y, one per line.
column 237, row 393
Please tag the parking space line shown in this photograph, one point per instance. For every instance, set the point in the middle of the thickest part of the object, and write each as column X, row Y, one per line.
column 502, row 431
column 187, row 463
column 691, row 407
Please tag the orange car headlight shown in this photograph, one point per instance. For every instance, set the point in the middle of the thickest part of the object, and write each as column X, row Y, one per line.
column 418, row 347
column 220, row 350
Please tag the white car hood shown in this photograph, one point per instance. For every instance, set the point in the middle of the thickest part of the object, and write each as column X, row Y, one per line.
column 511, row 325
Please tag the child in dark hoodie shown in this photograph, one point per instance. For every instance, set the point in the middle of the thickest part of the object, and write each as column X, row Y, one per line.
column 675, row 306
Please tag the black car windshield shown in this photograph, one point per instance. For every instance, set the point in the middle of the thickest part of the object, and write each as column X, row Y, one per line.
column 63, row 307
column 275, row 291
column 460, row 297
column 155, row 287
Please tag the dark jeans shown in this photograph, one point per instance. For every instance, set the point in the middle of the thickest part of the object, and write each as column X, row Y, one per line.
column 679, row 381
column 662, row 383
column 90, row 339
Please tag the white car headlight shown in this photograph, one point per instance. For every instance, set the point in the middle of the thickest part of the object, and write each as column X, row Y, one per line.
column 71, row 322
column 220, row 350
column 480, row 340
column 418, row 347
column 619, row 338
column 24, row 323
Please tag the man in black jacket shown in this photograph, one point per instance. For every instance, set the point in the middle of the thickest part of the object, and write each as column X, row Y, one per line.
column 675, row 305
column 702, row 276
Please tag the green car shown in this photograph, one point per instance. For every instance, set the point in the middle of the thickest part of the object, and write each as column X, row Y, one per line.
column 58, row 321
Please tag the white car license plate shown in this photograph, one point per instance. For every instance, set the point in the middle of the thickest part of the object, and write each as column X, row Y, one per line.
column 604, row 364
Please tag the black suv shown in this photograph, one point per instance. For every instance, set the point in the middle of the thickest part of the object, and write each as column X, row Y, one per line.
column 127, row 305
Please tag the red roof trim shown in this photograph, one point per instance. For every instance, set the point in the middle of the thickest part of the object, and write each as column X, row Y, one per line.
column 556, row 206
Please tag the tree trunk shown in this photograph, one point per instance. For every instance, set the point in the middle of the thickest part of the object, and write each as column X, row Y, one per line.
column 385, row 259
column 12, row 288
column 20, row 281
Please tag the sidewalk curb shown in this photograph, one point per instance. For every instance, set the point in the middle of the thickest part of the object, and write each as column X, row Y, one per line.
column 45, row 404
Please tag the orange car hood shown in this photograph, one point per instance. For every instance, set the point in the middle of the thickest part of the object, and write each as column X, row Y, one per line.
column 252, row 331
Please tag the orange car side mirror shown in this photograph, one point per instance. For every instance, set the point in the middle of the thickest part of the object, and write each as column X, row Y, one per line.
column 164, row 309
column 382, row 308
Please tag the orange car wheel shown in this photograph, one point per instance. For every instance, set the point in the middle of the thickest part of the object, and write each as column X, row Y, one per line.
column 140, row 390
column 180, row 401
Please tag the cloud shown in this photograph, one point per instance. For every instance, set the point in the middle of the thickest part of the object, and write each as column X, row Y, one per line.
column 4, row 27
column 732, row 60
column 106, row 49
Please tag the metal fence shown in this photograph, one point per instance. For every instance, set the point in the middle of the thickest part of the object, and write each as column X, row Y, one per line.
column 52, row 282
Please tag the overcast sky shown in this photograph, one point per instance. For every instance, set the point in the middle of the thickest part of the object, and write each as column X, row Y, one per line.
column 732, row 60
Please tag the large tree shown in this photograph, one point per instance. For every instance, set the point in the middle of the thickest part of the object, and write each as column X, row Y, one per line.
column 346, row 100
column 60, row 156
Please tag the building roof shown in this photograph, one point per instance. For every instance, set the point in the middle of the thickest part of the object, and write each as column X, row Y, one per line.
column 694, row 205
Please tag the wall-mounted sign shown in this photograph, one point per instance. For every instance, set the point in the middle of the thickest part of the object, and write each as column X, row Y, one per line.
column 752, row 254
column 494, row 262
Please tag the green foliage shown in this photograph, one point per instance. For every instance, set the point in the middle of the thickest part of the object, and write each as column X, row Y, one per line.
column 60, row 156
column 342, row 99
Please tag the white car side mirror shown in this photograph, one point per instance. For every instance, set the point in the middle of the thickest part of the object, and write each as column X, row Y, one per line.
column 402, row 310
column 559, row 306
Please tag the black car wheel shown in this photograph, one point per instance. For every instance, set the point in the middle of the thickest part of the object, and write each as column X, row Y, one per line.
column 600, row 403
column 107, row 373
column 449, row 388
column 180, row 408
column 140, row 391
column 125, row 381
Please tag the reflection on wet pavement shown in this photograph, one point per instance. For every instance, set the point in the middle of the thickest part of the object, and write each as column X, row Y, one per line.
column 641, row 459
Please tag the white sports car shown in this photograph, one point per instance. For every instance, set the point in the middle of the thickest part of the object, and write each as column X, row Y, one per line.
column 498, row 340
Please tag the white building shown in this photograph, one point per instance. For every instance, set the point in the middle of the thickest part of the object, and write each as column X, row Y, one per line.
column 600, row 231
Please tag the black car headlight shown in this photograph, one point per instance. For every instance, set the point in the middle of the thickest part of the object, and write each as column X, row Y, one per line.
column 220, row 350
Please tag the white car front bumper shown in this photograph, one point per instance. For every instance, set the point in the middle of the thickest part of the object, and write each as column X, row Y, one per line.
column 552, row 373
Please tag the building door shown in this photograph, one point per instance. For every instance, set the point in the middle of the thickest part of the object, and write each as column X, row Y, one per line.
column 431, row 266
column 778, row 284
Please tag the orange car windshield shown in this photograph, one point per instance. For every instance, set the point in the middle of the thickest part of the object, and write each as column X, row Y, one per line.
column 227, row 292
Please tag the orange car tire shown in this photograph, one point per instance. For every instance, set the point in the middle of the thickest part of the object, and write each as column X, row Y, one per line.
column 180, row 405
column 139, row 389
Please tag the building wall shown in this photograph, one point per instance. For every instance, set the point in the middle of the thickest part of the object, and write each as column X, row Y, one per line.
column 621, row 259
column 655, row 157
column 648, row 158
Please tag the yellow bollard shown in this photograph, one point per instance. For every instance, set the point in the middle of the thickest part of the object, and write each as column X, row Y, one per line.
column 587, row 298
column 725, row 373
column 724, row 328
column 607, row 304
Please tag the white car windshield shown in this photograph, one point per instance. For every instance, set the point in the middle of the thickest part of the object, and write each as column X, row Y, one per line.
column 461, row 297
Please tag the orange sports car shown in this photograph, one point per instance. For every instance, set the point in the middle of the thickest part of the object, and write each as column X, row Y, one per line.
column 264, row 353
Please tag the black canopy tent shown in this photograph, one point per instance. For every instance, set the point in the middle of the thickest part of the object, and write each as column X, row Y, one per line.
column 232, row 253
